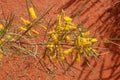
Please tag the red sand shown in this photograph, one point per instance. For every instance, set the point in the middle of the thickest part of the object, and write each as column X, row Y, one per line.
column 98, row 15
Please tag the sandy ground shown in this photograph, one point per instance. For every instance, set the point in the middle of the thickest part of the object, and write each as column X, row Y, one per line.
column 96, row 14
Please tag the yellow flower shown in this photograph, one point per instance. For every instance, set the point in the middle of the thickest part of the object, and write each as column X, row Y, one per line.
column 85, row 41
column 78, row 43
column 68, row 51
column 85, row 34
column 54, row 37
column 26, row 22
column 81, row 41
column 2, row 41
column 22, row 28
column 68, row 27
column 62, row 56
column 1, row 27
column 78, row 58
column 67, row 38
column 93, row 40
column 34, row 31
column 32, row 13
column 50, row 46
column 52, row 55
column 67, row 19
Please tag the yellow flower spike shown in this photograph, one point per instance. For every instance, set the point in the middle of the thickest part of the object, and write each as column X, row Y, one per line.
column 67, row 38
column 22, row 28
column 67, row 19
column 85, row 34
column 81, row 49
column 52, row 55
column 93, row 40
column 32, row 13
column 72, row 27
column 81, row 41
column 2, row 41
column 78, row 41
column 78, row 58
column 68, row 27
column 26, row 22
column 68, row 51
column 1, row 27
column 12, row 39
column 62, row 57
column 34, row 31
column 54, row 37
column 85, row 41
column 51, row 46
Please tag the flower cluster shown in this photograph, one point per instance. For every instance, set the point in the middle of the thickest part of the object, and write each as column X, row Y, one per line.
column 68, row 39
column 27, row 22
column 64, row 38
